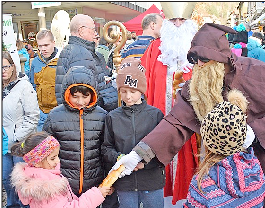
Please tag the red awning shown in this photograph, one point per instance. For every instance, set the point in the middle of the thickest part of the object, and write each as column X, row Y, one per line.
column 135, row 23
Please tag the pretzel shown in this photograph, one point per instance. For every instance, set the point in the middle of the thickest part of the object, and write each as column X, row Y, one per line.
column 112, row 177
column 177, row 80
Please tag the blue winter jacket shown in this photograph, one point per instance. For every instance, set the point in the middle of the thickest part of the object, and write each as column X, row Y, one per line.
column 4, row 141
column 255, row 50
column 24, row 52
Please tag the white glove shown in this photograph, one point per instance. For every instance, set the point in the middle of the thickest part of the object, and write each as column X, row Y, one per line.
column 180, row 87
column 181, row 84
column 186, row 67
column 249, row 137
column 129, row 161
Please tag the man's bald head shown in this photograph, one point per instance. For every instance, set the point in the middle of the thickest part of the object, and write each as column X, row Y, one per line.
column 83, row 26
column 78, row 21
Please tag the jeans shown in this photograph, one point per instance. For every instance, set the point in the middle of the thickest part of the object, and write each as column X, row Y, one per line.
column 43, row 117
column 8, row 163
column 150, row 199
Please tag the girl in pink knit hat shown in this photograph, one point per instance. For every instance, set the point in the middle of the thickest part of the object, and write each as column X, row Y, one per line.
column 39, row 182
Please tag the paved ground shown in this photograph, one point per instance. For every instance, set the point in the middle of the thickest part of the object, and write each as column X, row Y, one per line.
column 3, row 197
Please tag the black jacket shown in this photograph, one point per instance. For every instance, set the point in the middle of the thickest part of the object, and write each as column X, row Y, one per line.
column 64, row 123
column 80, row 52
column 124, row 128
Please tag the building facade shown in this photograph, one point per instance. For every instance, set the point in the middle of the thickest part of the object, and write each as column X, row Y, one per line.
column 26, row 18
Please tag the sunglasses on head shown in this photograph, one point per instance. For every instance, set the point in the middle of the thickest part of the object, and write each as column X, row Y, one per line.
column 196, row 58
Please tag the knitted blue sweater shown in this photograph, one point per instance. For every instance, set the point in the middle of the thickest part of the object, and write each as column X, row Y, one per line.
column 236, row 181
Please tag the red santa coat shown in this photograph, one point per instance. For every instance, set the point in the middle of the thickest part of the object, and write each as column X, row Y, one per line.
column 156, row 74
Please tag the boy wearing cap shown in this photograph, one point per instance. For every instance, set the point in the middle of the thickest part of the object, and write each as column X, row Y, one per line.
column 230, row 174
column 124, row 128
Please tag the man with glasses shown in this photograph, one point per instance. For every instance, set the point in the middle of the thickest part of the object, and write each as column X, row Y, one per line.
column 80, row 51
column 216, row 71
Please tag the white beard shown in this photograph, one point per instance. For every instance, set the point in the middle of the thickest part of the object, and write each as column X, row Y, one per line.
column 175, row 43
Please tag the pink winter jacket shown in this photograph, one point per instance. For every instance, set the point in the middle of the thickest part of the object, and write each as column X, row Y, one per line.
column 43, row 188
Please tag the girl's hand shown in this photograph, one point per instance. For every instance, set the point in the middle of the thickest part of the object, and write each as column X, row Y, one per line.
column 111, row 190
column 105, row 191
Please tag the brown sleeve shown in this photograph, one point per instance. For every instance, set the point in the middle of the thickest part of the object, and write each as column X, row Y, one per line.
column 170, row 134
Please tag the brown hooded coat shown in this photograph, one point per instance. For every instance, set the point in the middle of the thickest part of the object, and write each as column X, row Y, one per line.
column 246, row 75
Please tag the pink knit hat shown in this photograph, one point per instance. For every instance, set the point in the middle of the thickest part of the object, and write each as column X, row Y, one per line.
column 41, row 151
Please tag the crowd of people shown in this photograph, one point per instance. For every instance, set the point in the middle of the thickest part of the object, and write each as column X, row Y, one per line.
column 247, row 43
column 189, row 125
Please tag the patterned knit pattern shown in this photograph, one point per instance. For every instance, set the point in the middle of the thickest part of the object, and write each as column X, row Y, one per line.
column 236, row 181
column 42, row 150
column 138, row 47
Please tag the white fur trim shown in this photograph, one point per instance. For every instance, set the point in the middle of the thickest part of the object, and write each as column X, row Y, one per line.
column 176, row 42
column 37, row 188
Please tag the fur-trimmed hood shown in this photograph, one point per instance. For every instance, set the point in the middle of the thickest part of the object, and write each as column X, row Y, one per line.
column 37, row 183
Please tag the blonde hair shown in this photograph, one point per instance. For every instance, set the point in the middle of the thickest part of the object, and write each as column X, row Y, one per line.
column 209, row 161
column 206, row 87
column 44, row 33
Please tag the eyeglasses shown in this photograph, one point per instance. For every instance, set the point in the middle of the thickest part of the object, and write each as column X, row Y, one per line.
column 5, row 68
column 92, row 28
column 196, row 58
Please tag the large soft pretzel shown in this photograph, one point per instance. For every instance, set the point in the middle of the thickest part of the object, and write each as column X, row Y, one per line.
column 112, row 177
column 177, row 80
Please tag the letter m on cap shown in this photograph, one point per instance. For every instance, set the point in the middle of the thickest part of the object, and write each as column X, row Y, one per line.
column 130, row 82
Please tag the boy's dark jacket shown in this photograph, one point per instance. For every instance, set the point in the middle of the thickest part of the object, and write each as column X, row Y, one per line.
column 70, row 126
column 124, row 128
